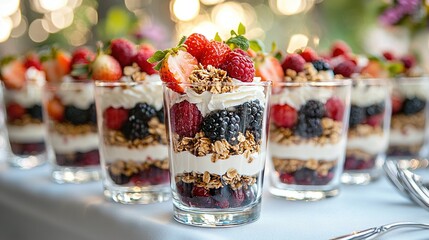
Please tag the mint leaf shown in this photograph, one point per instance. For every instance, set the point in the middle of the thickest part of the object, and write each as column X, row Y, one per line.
column 239, row 41
column 157, row 56
column 182, row 40
column 217, row 38
column 256, row 45
column 241, row 29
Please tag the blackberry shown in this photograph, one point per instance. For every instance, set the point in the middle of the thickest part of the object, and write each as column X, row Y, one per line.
column 413, row 105
column 35, row 112
column 160, row 115
column 135, row 128
column 374, row 109
column 313, row 109
column 75, row 116
column 222, row 124
column 92, row 114
column 357, row 115
column 143, row 111
column 251, row 115
column 321, row 65
column 308, row 127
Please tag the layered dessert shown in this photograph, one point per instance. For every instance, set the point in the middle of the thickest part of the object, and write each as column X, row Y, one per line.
column 308, row 110
column 23, row 81
column 216, row 112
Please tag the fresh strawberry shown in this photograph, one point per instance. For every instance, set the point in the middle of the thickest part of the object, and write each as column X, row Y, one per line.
column 14, row 111
column 56, row 65
column 346, row 68
column 408, row 61
column 177, row 68
column 115, row 117
column 196, row 44
column 81, row 58
column 335, row 108
column 123, row 51
column 106, row 68
column 309, row 55
column 268, row 68
column 143, row 54
column 32, row 60
column 396, row 103
column 13, row 73
column 293, row 61
column 389, row 56
column 284, row 115
column 340, row 48
column 215, row 54
column 375, row 120
column 239, row 66
column 55, row 109
column 186, row 119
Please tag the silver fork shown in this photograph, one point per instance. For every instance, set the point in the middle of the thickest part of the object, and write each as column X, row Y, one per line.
column 374, row 232
column 414, row 186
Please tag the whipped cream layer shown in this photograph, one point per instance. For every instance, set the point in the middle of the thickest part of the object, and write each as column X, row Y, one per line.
column 413, row 90
column 186, row 162
column 372, row 144
column 150, row 93
column 308, row 150
column 408, row 136
column 364, row 95
column 81, row 98
column 31, row 93
column 298, row 96
column 29, row 133
column 155, row 152
column 73, row 143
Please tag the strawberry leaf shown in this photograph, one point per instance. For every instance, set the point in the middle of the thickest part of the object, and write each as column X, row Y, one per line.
column 241, row 29
column 217, row 38
column 239, row 41
column 158, row 66
column 157, row 56
column 182, row 40
column 256, row 45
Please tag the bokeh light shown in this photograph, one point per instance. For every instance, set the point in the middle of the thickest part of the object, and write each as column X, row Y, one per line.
column 5, row 28
column 297, row 41
column 8, row 7
column 36, row 31
column 19, row 30
column 211, row 2
column 52, row 5
column 186, row 10
column 288, row 7
column 228, row 16
column 62, row 18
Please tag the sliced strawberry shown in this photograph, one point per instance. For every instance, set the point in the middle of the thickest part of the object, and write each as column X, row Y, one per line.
column 32, row 60
column 268, row 68
column 56, row 65
column 55, row 109
column 106, row 68
column 196, row 44
column 14, row 111
column 144, row 53
column 13, row 74
column 215, row 54
column 176, row 69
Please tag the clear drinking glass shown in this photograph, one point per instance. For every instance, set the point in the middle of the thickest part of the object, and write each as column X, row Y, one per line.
column 217, row 147
column 133, row 143
column 24, row 122
column 308, row 136
column 408, row 127
column 368, row 134
column 72, row 131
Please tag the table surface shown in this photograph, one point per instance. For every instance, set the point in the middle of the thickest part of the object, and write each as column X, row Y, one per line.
column 33, row 207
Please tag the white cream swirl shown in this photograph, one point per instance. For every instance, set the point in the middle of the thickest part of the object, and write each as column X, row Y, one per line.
column 364, row 94
column 80, row 96
column 298, row 96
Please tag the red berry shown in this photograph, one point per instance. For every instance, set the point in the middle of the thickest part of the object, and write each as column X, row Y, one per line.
column 106, row 68
column 115, row 117
column 242, row 52
column 340, row 48
column 14, row 111
column 239, row 66
column 335, row 108
column 32, row 60
column 284, row 115
column 396, row 104
column 269, row 69
column 237, row 197
column 388, row 55
column 186, row 119
column 82, row 56
column 200, row 192
column 375, row 120
column 143, row 54
column 176, row 69
column 346, row 68
column 123, row 51
column 196, row 44
column 408, row 61
column 13, row 74
column 293, row 61
column 287, row 178
column 309, row 55
column 215, row 54
column 55, row 109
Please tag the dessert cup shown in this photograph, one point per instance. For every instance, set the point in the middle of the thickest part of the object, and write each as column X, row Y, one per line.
column 133, row 145
column 368, row 134
column 72, row 131
column 217, row 160
column 24, row 122
column 408, row 128
column 308, row 136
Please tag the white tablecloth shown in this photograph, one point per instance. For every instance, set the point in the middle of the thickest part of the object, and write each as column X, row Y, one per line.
column 34, row 208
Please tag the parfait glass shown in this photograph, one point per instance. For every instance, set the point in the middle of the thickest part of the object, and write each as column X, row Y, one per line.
column 368, row 134
column 217, row 135
column 308, row 136
column 72, row 137
column 133, row 143
column 408, row 127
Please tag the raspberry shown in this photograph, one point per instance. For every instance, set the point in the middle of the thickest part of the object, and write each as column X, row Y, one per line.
column 389, row 56
column 293, row 61
column 396, row 104
column 143, row 54
column 340, row 48
column 15, row 111
column 334, row 108
column 321, row 65
column 186, row 119
column 413, row 105
column 346, row 68
column 196, row 44
column 123, row 51
column 115, row 117
column 357, row 115
column 308, row 127
column 408, row 61
column 313, row 109
column 215, row 54
column 200, row 192
column 237, row 197
column 242, row 52
column 309, row 55
column 284, row 115
column 143, row 111
column 135, row 128
column 375, row 120
column 239, row 67
column 287, row 178
column 222, row 124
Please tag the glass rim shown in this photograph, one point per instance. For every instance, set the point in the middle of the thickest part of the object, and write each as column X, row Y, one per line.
column 101, row 83
column 373, row 80
column 413, row 79
column 235, row 83
column 323, row 83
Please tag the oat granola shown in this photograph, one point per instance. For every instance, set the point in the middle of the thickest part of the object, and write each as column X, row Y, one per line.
column 322, row 167
column 211, row 79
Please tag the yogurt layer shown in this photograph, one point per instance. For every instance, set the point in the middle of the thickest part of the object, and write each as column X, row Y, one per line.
column 29, row 133
column 187, row 162
column 114, row 153
column 81, row 98
column 409, row 136
column 364, row 95
column 414, row 90
column 63, row 144
column 298, row 96
column 306, row 151
column 372, row 144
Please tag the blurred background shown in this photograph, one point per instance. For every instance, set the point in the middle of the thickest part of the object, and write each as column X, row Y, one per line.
column 367, row 25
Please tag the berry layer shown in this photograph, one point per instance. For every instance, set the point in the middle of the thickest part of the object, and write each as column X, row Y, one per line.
column 29, row 133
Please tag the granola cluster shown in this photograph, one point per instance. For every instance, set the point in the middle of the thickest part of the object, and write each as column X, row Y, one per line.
column 130, row 167
column 321, row 167
column 363, row 130
column 309, row 74
column 359, row 154
column 24, row 120
column 402, row 121
column 135, row 73
column 65, row 128
column 201, row 146
column 210, row 79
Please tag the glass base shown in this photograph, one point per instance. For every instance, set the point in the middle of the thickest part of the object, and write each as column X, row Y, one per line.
column 359, row 178
column 304, row 195
column 75, row 175
column 27, row 162
column 137, row 195
column 215, row 217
